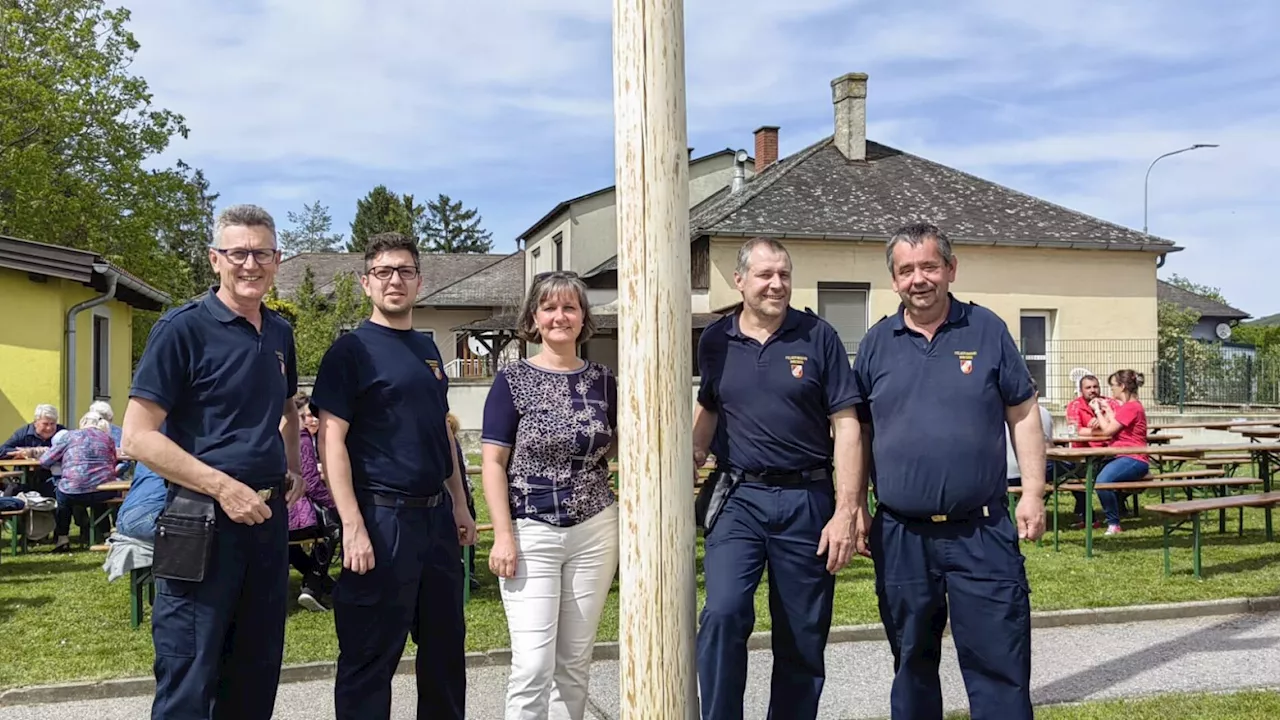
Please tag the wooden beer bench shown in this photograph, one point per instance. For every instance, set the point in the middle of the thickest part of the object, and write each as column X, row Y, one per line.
column 1194, row 508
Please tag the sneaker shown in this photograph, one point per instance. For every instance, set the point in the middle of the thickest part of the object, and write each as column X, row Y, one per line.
column 1114, row 529
column 311, row 601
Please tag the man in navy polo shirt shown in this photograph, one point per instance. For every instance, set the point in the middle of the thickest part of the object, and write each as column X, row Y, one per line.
column 383, row 398
column 776, row 386
column 204, row 412
column 941, row 381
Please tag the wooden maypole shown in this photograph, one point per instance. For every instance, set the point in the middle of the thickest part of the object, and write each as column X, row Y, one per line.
column 658, row 679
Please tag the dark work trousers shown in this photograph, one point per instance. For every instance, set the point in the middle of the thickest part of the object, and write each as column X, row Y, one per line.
column 415, row 586
column 779, row 527
column 68, row 502
column 219, row 642
column 974, row 566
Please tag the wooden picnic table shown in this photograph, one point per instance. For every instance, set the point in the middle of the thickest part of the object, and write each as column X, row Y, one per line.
column 121, row 486
column 1261, row 433
column 1151, row 439
column 1262, row 452
column 1212, row 425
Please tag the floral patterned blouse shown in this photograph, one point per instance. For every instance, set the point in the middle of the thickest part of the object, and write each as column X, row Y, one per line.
column 88, row 458
column 559, row 426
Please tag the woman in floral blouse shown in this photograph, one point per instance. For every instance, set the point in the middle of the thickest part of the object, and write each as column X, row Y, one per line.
column 88, row 459
column 547, row 438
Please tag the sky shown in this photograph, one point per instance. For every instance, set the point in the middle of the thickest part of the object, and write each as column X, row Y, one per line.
column 507, row 106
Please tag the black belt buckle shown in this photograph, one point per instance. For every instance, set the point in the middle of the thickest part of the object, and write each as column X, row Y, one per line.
column 384, row 500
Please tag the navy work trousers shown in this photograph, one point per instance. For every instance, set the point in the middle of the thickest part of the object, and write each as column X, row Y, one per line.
column 976, row 568
column 219, row 642
column 781, row 527
column 415, row 586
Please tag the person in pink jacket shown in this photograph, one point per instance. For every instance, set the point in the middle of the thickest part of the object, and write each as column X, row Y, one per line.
column 311, row 518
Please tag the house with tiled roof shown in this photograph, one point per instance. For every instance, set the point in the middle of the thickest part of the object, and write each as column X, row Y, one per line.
column 457, row 289
column 1213, row 313
column 1056, row 276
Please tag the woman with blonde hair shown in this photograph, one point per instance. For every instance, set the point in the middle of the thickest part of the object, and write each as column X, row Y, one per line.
column 549, row 430
column 88, row 459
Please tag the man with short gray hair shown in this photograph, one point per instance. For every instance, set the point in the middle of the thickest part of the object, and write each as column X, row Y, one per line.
column 30, row 441
column 941, row 380
column 204, row 413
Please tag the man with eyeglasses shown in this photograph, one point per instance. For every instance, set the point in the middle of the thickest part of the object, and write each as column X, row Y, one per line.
column 383, row 400
column 204, row 412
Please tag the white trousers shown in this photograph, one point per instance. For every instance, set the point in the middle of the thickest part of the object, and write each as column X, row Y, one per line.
column 553, row 605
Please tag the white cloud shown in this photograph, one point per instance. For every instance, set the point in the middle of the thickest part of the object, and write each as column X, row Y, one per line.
column 508, row 105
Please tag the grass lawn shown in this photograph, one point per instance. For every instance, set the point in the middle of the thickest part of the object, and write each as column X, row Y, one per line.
column 1257, row 705
column 62, row 621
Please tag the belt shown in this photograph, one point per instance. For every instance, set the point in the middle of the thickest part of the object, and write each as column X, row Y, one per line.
column 269, row 492
column 787, row 479
column 953, row 517
column 384, row 500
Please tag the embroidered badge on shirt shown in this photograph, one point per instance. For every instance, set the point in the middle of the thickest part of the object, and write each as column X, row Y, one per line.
column 797, row 365
column 435, row 368
column 283, row 371
column 966, row 360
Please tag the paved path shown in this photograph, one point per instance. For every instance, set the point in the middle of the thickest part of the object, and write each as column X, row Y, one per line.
column 1071, row 664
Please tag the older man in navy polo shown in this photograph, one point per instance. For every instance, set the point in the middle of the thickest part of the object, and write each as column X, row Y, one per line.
column 204, row 412
column 941, row 381
column 776, row 389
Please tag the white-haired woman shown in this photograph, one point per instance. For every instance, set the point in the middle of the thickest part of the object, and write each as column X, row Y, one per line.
column 548, row 434
column 88, row 459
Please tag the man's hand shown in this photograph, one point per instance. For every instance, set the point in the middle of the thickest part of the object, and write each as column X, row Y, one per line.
column 503, row 556
column 1094, row 424
column 837, row 540
column 357, row 550
column 1030, row 514
column 465, row 524
column 699, row 459
column 241, row 503
column 297, row 488
column 862, row 531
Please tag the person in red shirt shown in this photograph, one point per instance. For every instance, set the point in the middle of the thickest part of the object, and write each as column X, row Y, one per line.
column 1126, row 426
column 1080, row 413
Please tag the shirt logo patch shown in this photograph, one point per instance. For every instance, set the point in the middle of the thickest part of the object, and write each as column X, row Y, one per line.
column 966, row 360
column 435, row 368
column 283, row 370
column 797, row 365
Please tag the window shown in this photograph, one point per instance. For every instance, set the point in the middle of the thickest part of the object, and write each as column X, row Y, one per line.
column 559, row 241
column 101, row 355
column 1034, row 342
column 844, row 305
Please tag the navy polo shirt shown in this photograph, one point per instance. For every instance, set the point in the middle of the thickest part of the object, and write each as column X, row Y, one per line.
column 390, row 387
column 937, row 409
column 775, row 399
column 223, row 384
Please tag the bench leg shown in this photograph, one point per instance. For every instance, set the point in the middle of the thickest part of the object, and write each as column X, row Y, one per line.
column 1241, row 532
column 135, row 600
column 1222, row 513
column 1195, row 543
column 13, row 535
column 1167, row 532
column 466, row 574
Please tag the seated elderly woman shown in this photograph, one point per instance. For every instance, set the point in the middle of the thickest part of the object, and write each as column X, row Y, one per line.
column 88, row 459
column 30, row 441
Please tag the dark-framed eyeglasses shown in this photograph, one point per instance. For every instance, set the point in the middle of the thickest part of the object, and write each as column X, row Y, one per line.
column 384, row 272
column 239, row 256
column 556, row 275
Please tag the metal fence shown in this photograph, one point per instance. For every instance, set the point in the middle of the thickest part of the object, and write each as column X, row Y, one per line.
column 1178, row 373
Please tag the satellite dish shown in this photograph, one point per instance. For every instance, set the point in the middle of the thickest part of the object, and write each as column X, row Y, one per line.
column 1223, row 331
column 476, row 347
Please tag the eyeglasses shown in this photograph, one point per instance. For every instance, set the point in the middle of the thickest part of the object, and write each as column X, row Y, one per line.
column 556, row 274
column 238, row 256
column 384, row 272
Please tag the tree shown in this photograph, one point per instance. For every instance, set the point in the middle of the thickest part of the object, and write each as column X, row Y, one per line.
column 78, row 138
column 310, row 231
column 318, row 319
column 381, row 211
column 1208, row 291
column 448, row 228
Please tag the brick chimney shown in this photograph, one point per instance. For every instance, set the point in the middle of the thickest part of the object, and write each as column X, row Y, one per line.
column 766, row 147
column 849, row 95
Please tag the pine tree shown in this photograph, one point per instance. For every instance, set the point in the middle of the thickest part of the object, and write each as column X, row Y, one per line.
column 381, row 211
column 311, row 231
column 448, row 228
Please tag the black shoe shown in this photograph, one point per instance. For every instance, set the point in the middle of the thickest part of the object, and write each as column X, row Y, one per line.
column 475, row 585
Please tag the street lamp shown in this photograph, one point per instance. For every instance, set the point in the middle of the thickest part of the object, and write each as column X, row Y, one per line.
column 1147, row 181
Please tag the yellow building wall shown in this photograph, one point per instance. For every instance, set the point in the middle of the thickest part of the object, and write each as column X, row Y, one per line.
column 31, row 348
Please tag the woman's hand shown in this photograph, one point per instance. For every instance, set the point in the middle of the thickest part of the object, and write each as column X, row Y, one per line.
column 502, row 558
